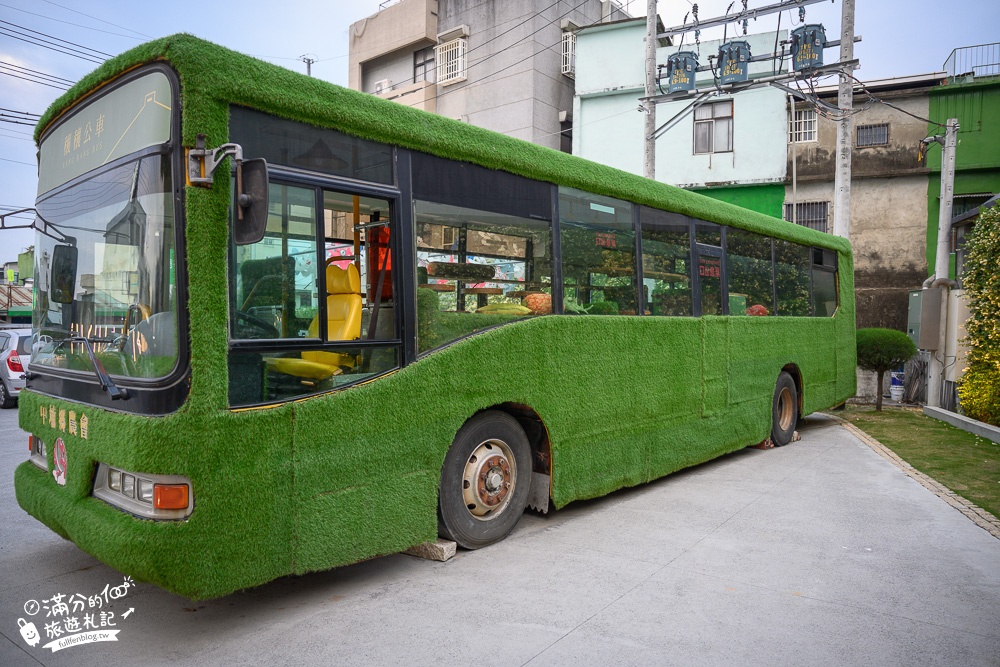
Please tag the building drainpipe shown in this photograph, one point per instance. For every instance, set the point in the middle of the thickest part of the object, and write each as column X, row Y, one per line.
column 936, row 366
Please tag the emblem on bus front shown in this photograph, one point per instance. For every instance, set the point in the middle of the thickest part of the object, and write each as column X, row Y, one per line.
column 59, row 460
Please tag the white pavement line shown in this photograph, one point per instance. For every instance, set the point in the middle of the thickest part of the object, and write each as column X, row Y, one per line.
column 978, row 515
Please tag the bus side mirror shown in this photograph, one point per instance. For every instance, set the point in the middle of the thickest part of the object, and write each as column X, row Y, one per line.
column 62, row 287
column 251, row 202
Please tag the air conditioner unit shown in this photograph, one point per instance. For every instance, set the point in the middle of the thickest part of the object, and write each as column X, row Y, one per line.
column 382, row 86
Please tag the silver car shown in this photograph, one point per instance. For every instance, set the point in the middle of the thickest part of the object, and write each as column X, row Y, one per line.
column 15, row 353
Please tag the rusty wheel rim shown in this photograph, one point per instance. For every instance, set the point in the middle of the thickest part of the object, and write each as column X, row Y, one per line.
column 489, row 479
column 786, row 409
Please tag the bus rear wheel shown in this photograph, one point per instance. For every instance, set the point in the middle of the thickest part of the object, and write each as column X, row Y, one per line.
column 784, row 410
column 484, row 481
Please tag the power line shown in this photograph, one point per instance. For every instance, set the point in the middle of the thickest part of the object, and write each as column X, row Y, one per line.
column 3, row 134
column 18, row 117
column 590, row 122
column 30, row 164
column 22, row 113
column 83, row 49
column 30, row 75
column 50, row 85
column 16, row 122
column 27, row 70
column 893, row 106
column 532, row 55
column 45, row 45
column 27, row 134
column 492, row 39
column 75, row 11
column 75, row 25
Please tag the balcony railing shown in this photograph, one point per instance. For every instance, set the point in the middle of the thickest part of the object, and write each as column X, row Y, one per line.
column 979, row 62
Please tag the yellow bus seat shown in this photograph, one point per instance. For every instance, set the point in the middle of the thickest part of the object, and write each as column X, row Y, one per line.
column 343, row 313
column 343, row 305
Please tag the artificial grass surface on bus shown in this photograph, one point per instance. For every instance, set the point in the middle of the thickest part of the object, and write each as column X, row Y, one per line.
column 341, row 477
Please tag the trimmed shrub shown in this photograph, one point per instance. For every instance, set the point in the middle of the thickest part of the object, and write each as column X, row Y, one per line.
column 882, row 350
column 979, row 390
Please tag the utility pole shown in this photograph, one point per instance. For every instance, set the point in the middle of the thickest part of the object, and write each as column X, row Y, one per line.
column 309, row 62
column 942, row 260
column 649, row 106
column 845, row 128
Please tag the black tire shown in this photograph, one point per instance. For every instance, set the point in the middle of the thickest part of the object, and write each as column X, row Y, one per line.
column 492, row 450
column 6, row 400
column 784, row 410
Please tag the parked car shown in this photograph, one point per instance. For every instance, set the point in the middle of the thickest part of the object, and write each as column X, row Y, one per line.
column 15, row 353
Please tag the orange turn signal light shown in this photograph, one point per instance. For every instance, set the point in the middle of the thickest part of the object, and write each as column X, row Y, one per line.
column 170, row 496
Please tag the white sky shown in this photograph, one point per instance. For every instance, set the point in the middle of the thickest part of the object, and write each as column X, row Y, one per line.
column 900, row 38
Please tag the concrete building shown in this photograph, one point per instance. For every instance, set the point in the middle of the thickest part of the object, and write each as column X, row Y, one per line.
column 971, row 93
column 732, row 148
column 506, row 65
column 889, row 212
column 778, row 157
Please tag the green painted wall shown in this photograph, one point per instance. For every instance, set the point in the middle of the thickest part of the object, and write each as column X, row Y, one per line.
column 767, row 199
column 977, row 158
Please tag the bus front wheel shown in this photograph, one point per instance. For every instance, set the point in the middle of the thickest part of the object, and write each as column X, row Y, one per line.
column 784, row 410
column 484, row 481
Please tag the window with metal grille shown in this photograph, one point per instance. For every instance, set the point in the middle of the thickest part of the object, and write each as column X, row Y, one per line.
column 812, row 214
column 873, row 135
column 423, row 65
column 569, row 54
column 965, row 203
column 713, row 128
column 451, row 61
column 802, row 125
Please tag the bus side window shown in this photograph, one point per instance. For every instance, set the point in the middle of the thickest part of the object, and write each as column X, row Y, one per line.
column 274, row 288
column 666, row 262
column 791, row 270
column 598, row 254
column 477, row 269
column 824, row 280
column 750, row 272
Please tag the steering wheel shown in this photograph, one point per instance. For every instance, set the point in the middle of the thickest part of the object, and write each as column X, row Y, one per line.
column 252, row 327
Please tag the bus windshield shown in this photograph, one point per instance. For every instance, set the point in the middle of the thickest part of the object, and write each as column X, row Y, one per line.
column 121, row 294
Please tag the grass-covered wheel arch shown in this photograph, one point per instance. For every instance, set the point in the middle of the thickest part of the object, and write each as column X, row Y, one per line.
column 322, row 482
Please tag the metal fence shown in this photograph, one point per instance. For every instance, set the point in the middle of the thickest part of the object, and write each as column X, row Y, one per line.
column 982, row 61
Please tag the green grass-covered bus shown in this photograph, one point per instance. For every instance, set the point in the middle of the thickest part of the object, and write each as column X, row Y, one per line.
column 500, row 326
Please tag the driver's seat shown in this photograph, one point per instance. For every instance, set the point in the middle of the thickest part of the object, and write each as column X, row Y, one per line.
column 343, row 314
column 344, row 307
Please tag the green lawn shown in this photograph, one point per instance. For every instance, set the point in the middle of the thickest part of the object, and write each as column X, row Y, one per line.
column 965, row 463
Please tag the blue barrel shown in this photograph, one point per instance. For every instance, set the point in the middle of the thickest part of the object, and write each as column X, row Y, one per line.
column 808, row 42
column 681, row 67
column 734, row 61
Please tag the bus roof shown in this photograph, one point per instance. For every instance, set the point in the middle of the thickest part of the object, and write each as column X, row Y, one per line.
column 213, row 75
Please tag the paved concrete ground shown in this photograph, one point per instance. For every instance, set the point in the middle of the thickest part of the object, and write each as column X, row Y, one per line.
column 818, row 553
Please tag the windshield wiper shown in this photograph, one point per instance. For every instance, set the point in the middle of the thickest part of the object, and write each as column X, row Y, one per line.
column 107, row 384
